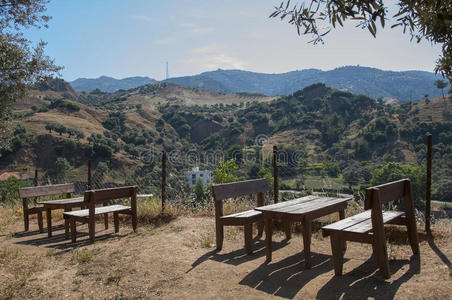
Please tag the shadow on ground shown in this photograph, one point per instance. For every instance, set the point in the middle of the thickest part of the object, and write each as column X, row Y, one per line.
column 366, row 281
column 238, row 256
column 287, row 277
column 58, row 240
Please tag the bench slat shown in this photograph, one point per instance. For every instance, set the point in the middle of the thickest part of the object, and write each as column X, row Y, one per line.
column 243, row 214
column 62, row 201
column 37, row 191
column 361, row 223
column 98, row 210
column 366, row 226
column 237, row 189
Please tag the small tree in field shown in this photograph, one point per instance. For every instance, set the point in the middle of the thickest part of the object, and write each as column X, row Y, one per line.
column 441, row 84
column 224, row 172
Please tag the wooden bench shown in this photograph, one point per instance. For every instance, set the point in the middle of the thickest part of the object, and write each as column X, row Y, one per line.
column 368, row 227
column 93, row 197
column 245, row 218
column 39, row 191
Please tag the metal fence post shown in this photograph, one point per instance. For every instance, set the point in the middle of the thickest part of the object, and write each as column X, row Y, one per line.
column 163, row 180
column 35, row 180
column 89, row 174
column 428, row 189
column 275, row 174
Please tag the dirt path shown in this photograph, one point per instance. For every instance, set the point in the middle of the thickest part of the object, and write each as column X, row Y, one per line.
column 177, row 260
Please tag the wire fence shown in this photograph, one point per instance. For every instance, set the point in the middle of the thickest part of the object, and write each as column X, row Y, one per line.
column 184, row 177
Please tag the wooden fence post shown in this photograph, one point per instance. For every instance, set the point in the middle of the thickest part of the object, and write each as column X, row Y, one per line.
column 35, row 180
column 275, row 174
column 428, row 189
column 89, row 174
column 163, row 180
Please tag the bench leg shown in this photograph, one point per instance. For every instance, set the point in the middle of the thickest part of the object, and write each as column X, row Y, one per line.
column 40, row 225
column 287, row 226
column 106, row 220
column 219, row 235
column 49, row 222
column 307, row 242
column 134, row 220
column 260, row 228
column 344, row 242
column 25, row 209
column 116, row 220
column 73, row 230
column 381, row 254
column 336, row 249
column 268, row 237
column 92, row 230
column 249, row 238
column 412, row 235
column 66, row 224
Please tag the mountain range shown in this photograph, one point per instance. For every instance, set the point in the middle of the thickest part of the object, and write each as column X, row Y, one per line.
column 109, row 84
column 375, row 83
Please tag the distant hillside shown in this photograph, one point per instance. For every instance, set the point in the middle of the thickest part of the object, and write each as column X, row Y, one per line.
column 109, row 84
column 375, row 83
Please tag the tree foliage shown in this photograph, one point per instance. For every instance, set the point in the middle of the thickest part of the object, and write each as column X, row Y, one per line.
column 422, row 19
column 395, row 171
column 21, row 66
column 224, row 172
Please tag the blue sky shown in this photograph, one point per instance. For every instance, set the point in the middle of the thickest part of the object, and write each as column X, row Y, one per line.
column 123, row 38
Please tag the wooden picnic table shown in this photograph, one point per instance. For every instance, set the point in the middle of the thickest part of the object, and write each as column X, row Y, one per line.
column 303, row 210
column 66, row 204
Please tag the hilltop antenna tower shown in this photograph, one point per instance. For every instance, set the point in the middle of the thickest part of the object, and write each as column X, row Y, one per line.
column 167, row 73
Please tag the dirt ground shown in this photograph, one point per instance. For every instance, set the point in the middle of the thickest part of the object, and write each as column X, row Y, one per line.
column 176, row 259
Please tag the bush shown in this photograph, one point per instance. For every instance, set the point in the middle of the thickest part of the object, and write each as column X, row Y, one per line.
column 101, row 150
column 393, row 171
column 9, row 189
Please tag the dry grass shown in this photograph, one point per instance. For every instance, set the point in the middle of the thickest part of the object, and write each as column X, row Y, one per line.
column 17, row 269
column 170, row 259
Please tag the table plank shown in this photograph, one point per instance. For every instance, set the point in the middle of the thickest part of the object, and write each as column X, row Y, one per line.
column 303, row 209
column 273, row 207
column 301, row 206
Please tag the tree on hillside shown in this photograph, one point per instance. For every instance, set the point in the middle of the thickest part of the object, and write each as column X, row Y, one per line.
column 430, row 20
column 441, row 84
column 21, row 66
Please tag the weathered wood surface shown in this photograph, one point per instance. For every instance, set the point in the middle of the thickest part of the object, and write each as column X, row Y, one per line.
column 45, row 190
column 361, row 223
column 93, row 197
column 246, row 218
column 98, row 210
column 39, row 191
column 62, row 201
column 237, row 189
column 301, row 206
column 305, row 210
column 102, row 195
column 368, row 226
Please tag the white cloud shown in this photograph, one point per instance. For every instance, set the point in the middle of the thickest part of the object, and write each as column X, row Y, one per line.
column 194, row 29
column 141, row 18
column 212, row 48
column 217, row 61
column 166, row 41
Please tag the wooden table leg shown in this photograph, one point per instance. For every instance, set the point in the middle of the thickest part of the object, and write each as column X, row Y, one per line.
column 287, row 227
column 66, row 224
column 49, row 221
column 343, row 241
column 307, row 227
column 268, row 237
